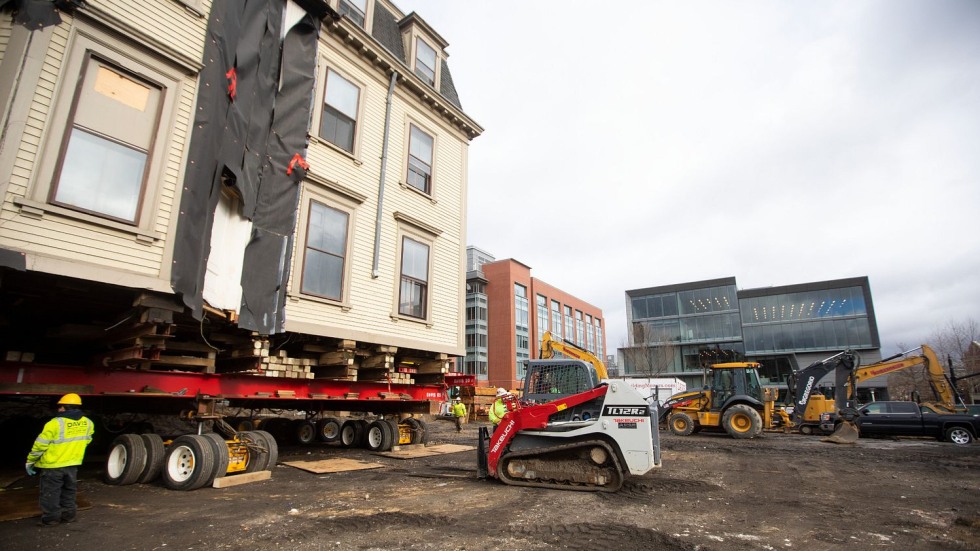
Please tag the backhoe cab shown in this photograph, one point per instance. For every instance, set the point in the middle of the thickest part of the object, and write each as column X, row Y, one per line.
column 734, row 401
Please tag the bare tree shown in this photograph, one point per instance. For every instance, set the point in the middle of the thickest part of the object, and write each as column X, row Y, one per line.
column 952, row 343
column 652, row 352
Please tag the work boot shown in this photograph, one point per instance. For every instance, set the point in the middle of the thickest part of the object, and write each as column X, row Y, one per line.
column 48, row 523
column 69, row 520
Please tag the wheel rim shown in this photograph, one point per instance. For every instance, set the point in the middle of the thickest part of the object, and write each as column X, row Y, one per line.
column 959, row 436
column 180, row 467
column 117, row 461
column 374, row 436
column 347, row 435
column 307, row 432
column 330, row 430
column 741, row 423
column 680, row 425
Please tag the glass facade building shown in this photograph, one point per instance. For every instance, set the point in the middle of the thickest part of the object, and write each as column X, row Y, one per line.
column 693, row 325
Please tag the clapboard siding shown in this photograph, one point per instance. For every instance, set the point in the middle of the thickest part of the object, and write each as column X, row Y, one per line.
column 74, row 239
column 373, row 300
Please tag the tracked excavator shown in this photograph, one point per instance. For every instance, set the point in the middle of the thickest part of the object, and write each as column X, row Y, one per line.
column 844, row 409
column 591, row 440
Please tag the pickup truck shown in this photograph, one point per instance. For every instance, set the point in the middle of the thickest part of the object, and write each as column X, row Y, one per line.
column 909, row 419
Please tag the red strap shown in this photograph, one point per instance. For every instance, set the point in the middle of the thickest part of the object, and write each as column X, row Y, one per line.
column 232, row 77
column 297, row 160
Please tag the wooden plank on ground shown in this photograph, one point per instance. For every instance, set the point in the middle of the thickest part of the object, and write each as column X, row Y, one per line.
column 336, row 465
column 239, row 479
column 419, row 451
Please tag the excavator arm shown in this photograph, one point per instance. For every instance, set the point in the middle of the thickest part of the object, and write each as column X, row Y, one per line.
column 943, row 390
column 807, row 378
column 550, row 345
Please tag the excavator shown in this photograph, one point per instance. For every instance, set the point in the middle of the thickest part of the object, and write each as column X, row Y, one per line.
column 588, row 441
column 736, row 401
column 550, row 346
column 843, row 412
column 543, row 383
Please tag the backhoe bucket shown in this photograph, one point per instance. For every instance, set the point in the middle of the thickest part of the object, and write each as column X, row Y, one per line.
column 846, row 433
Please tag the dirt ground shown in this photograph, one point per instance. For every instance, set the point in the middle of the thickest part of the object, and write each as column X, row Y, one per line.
column 713, row 493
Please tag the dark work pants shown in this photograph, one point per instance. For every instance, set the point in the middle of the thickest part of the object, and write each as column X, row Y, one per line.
column 58, row 489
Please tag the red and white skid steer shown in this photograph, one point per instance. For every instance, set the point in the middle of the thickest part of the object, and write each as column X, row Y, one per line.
column 591, row 440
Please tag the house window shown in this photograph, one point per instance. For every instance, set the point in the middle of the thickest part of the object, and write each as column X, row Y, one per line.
column 103, row 163
column 425, row 61
column 354, row 10
column 326, row 251
column 420, row 160
column 413, row 293
column 339, row 121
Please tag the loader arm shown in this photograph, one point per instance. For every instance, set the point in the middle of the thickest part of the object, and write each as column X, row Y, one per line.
column 549, row 345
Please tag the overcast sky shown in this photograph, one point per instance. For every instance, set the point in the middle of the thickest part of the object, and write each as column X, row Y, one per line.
column 776, row 142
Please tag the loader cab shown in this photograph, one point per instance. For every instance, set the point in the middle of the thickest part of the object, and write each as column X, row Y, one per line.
column 734, row 379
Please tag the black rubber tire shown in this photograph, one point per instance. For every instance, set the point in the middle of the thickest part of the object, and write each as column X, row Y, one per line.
column 156, row 454
column 190, row 463
column 806, row 429
column 304, row 431
column 352, row 433
column 221, row 457
column 126, row 460
column 680, row 424
column 378, row 437
column 961, row 436
column 272, row 445
column 258, row 460
column 394, row 433
column 328, row 429
column 742, row 421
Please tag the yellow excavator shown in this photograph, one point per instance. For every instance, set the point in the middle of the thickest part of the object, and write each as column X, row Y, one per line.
column 550, row 346
column 736, row 401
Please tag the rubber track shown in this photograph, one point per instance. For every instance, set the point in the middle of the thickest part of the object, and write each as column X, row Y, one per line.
column 616, row 468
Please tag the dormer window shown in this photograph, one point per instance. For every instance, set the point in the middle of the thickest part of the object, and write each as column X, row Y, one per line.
column 355, row 10
column 425, row 61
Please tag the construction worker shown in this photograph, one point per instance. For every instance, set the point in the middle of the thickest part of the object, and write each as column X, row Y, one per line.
column 57, row 453
column 499, row 407
column 459, row 412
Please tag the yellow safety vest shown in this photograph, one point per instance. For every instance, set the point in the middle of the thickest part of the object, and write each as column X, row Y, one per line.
column 459, row 410
column 62, row 443
column 497, row 411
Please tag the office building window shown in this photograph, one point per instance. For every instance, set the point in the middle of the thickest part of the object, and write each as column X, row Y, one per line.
column 542, row 304
column 589, row 334
column 521, row 317
column 579, row 329
column 556, row 320
column 600, row 350
column 569, row 324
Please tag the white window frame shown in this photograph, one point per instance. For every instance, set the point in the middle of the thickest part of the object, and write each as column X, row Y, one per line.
column 431, row 191
column 406, row 231
column 416, row 51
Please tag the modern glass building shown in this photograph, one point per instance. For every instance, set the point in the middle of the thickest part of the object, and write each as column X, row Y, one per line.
column 678, row 330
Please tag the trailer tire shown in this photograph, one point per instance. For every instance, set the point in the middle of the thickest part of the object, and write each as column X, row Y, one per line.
column 304, row 431
column 680, row 424
column 395, row 433
column 378, row 437
column 272, row 446
column 156, row 453
column 190, row 463
column 221, row 457
column 961, row 436
column 328, row 429
column 420, row 431
column 742, row 421
column 352, row 433
column 126, row 461
column 257, row 460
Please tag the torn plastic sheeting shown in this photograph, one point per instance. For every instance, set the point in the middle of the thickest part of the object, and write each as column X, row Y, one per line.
column 251, row 140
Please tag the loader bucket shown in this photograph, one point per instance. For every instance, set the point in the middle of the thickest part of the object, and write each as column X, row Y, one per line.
column 846, row 433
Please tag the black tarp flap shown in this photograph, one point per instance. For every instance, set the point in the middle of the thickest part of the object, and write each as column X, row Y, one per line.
column 13, row 259
column 247, row 142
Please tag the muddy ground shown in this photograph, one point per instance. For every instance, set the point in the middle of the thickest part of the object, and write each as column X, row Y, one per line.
column 713, row 493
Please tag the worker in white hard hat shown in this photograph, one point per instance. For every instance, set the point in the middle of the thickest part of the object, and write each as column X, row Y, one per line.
column 499, row 407
column 57, row 453
column 459, row 412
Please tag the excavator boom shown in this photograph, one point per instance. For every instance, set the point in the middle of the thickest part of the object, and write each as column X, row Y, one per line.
column 550, row 345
